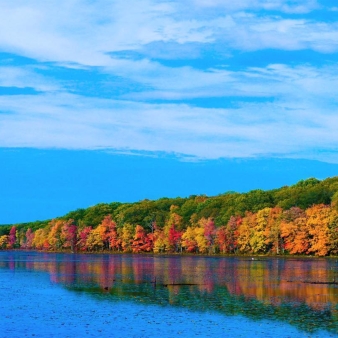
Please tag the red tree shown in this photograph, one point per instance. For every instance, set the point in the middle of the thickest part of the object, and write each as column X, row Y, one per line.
column 115, row 240
column 210, row 234
column 69, row 233
column 174, row 238
column 82, row 238
column 12, row 237
column 227, row 235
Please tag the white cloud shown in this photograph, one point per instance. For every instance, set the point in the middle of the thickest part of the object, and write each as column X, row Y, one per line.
column 293, row 108
column 259, row 33
column 82, row 32
column 300, row 6
column 277, row 81
column 302, row 118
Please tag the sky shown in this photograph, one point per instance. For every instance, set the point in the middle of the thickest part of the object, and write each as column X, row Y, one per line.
column 214, row 95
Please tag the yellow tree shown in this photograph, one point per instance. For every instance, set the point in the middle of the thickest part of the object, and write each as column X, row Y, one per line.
column 54, row 237
column 100, row 237
column 174, row 218
column 21, row 238
column 189, row 242
column 272, row 231
column 40, row 240
column 127, row 237
column 172, row 231
column 160, row 241
column 318, row 217
column 245, row 232
column 94, row 241
column 259, row 223
column 202, row 242
column 3, row 241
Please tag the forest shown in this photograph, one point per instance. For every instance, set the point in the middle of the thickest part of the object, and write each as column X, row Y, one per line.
column 297, row 219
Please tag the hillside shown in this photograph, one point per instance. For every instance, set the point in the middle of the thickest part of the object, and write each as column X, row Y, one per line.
column 191, row 216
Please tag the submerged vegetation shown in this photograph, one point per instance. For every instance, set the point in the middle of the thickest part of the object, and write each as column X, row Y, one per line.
column 300, row 219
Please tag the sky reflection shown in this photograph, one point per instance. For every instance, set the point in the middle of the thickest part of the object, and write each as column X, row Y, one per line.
column 299, row 292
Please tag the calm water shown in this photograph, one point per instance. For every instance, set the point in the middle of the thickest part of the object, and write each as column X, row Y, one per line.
column 65, row 295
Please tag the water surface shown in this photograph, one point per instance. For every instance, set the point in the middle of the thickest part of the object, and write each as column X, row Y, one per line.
column 53, row 295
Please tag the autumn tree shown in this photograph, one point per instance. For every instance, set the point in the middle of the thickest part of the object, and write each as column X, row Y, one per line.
column 149, row 244
column 21, row 238
column 114, row 239
column 272, row 232
column 69, row 235
column 201, row 240
column 227, row 235
column 172, row 234
column 333, row 230
column 127, row 237
column 82, row 243
column 141, row 242
column 258, row 239
column 12, row 237
column 3, row 241
column 100, row 237
column 318, row 228
column 55, row 238
column 106, row 228
column 209, row 233
column 245, row 232
column 222, row 239
column 189, row 242
column 29, row 239
column 161, row 243
column 40, row 240
column 175, row 218
column 94, row 240
column 174, row 239
column 294, row 231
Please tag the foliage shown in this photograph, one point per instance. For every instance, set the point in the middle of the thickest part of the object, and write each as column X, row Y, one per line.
column 301, row 219
column 3, row 241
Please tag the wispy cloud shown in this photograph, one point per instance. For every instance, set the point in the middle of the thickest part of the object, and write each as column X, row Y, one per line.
column 298, row 6
column 83, row 32
column 167, row 56
column 300, row 119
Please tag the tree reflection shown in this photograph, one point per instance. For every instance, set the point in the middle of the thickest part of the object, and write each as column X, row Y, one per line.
column 267, row 288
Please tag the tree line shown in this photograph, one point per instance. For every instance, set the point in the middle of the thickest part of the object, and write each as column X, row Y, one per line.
column 301, row 219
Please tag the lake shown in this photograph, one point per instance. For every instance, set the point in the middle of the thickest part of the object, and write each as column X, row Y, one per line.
column 91, row 295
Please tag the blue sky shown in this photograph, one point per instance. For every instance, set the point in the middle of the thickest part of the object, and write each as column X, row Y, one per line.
column 168, row 84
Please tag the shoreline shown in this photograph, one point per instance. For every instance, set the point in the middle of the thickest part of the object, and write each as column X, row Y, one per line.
column 250, row 257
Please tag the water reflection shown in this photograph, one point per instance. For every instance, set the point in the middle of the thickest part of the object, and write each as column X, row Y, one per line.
column 302, row 292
